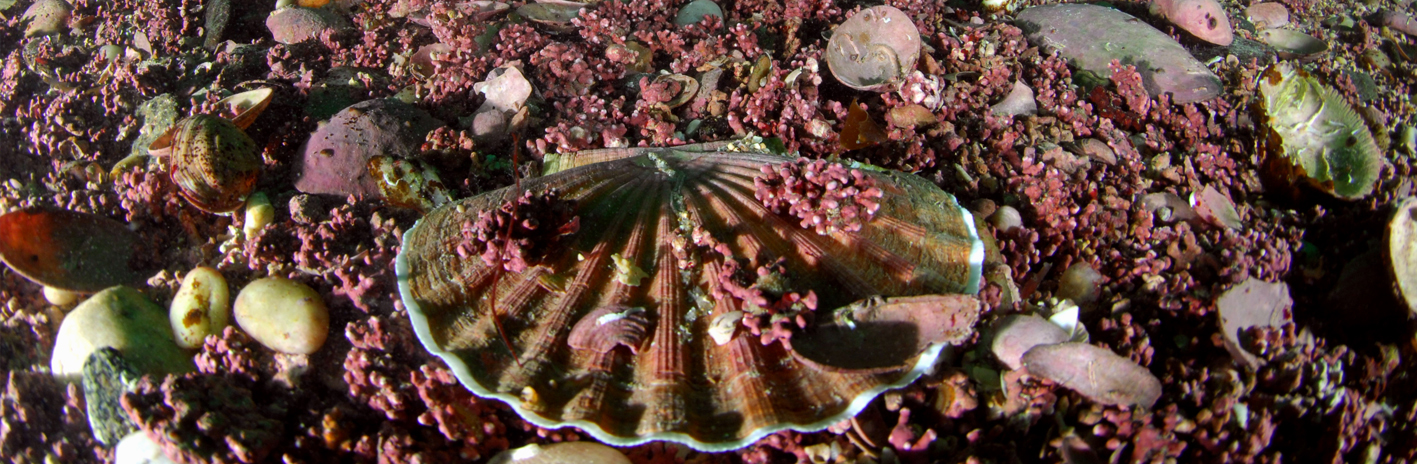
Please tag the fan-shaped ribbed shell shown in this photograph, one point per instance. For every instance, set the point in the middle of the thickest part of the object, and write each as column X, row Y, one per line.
column 652, row 213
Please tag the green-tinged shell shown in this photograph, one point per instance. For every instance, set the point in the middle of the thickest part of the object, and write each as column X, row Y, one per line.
column 1315, row 135
column 618, row 277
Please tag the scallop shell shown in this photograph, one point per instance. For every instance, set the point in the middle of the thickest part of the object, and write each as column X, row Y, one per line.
column 643, row 248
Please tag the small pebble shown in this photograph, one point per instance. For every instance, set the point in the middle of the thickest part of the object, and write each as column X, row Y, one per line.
column 124, row 319
column 1079, row 283
column 582, row 452
column 284, row 315
column 47, row 17
column 201, row 307
column 137, row 448
column 259, row 214
column 695, row 11
column 60, row 297
column 1006, row 219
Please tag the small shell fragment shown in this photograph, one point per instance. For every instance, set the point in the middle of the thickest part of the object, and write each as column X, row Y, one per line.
column 1095, row 372
column 724, row 326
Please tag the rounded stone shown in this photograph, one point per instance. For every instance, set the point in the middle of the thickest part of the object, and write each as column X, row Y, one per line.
column 137, row 448
column 124, row 319
column 696, row 10
column 201, row 307
column 284, row 315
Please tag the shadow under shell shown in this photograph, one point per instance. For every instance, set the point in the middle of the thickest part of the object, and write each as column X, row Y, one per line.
column 653, row 210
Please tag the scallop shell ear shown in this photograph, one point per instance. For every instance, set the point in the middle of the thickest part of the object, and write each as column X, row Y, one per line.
column 647, row 248
column 246, row 105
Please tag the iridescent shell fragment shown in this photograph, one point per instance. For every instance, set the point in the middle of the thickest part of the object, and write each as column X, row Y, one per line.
column 748, row 318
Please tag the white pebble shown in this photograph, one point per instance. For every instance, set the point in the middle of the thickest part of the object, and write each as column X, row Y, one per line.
column 201, row 307
column 124, row 319
column 284, row 315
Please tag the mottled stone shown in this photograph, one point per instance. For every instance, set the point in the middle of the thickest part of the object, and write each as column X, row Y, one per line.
column 1091, row 37
column 106, row 378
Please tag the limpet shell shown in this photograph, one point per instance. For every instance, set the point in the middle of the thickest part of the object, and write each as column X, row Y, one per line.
column 501, row 287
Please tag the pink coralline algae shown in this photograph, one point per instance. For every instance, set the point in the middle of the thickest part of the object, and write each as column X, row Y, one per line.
column 41, row 420
column 826, row 197
column 208, row 419
column 521, row 232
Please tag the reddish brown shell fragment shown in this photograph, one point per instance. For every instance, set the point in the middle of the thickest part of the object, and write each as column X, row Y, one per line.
column 70, row 250
column 689, row 221
column 1095, row 372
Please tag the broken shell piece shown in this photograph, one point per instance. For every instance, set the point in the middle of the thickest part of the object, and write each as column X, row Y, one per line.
column 422, row 63
column 874, row 49
column 608, row 327
column 506, row 90
column 1019, row 102
column 1268, row 15
column 724, row 326
column 69, row 250
column 1015, row 335
column 243, row 108
column 1095, row 372
column 1314, row 136
column 1253, row 303
column 1402, row 251
column 408, row 183
column 1216, row 208
column 1293, row 45
column 1167, row 207
column 688, row 87
column 732, row 249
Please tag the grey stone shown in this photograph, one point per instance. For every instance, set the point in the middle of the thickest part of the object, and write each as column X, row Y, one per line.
column 106, row 378
column 1090, row 37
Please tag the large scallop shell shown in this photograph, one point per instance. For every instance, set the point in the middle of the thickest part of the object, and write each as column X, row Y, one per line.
column 621, row 268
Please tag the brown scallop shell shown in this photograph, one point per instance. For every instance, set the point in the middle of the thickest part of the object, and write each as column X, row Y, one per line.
column 651, row 231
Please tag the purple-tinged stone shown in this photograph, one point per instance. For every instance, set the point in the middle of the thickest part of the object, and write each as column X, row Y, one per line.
column 335, row 160
column 1091, row 37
